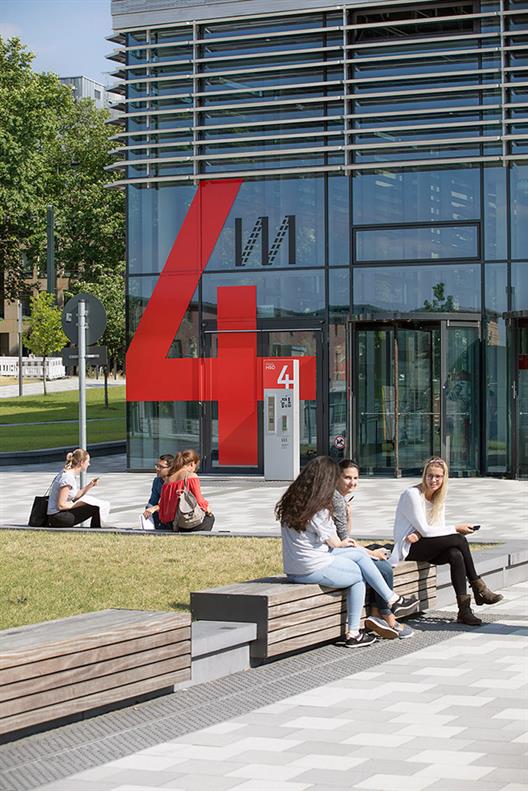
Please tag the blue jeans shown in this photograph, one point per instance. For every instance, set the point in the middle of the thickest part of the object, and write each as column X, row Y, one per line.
column 374, row 572
column 341, row 572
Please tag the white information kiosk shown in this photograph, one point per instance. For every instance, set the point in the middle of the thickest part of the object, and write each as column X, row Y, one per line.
column 281, row 418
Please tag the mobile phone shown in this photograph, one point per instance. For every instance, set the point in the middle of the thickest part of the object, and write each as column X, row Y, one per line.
column 349, row 499
column 475, row 527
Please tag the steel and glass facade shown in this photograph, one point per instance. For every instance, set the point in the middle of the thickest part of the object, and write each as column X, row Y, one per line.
column 371, row 163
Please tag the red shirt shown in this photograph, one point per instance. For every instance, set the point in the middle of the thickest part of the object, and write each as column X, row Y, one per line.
column 170, row 497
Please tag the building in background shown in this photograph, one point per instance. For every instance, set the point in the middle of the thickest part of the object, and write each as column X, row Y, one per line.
column 85, row 88
column 351, row 187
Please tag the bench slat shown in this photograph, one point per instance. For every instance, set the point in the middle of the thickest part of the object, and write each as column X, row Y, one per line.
column 68, row 708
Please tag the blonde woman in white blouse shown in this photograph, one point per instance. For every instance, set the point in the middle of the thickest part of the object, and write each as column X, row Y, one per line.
column 420, row 533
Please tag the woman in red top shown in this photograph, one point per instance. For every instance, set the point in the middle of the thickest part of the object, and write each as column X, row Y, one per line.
column 182, row 473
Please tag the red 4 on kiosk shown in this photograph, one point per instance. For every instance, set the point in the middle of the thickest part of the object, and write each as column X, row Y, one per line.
column 280, row 379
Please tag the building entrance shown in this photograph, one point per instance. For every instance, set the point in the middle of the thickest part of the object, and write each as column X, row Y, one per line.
column 415, row 394
column 271, row 340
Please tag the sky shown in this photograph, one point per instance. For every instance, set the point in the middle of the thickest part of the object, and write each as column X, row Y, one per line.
column 66, row 36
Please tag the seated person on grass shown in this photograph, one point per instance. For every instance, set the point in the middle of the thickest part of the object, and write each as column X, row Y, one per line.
column 162, row 470
column 381, row 620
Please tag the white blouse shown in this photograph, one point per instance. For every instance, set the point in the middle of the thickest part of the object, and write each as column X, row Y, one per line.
column 413, row 514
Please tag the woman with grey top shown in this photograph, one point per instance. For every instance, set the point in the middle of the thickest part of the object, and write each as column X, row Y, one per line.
column 313, row 553
column 380, row 620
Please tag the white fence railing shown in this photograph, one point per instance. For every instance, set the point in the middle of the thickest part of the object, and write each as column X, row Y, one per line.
column 32, row 367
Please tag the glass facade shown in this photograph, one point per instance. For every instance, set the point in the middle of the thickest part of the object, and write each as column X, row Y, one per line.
column 345, row 186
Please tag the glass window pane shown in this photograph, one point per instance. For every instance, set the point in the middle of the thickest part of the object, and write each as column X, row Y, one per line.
column 519, row 282
column 416, row 196
column 279, row 294
column 417, row 244
column 339, row 294
column 519, row 210
column 496, row 282
column 495, row 225
column 338, row 221
column 185, row 342
column 154, row 219
column 497, row 423
column 155, row 428
column 290, row 233
column 429, row 289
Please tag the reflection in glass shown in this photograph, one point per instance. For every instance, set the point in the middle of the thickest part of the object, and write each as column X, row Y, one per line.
column 155, row 428
column 495, row 224
column 339, row 294
column 433, row 289
column 338, row 221
column 416, row 196
column 155, row 216
column 415, row 244
column 521, row 366
column 279, row 294
column 461, row 390
column 496, row 283
column 338, row 390
column 185, row 342
column 519, row 282
column 497, row 424
column 273, row 222
column 519, row 210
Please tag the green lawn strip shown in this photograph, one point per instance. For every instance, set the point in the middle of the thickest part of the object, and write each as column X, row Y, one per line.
column 62, row 406
column 53, row 575
column 53, row 435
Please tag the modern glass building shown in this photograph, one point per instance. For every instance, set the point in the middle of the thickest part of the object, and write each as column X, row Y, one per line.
column 345, row 184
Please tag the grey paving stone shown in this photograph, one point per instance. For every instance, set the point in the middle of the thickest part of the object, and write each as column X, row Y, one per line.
column 506, row 776
column 203, row 782
column 465, row 785
column 337, row 779
column 279, row 759
column 215, row 768
column 504, row 760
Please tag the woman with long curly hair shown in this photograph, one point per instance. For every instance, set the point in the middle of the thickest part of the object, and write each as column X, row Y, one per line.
column 313, row 553
column 421, row 533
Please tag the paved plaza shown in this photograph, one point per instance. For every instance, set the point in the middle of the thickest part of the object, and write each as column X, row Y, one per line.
column 444, row 711
column 246, row 505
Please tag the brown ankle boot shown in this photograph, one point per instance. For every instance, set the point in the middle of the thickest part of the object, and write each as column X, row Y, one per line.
column 482, row 593
column 465, row 613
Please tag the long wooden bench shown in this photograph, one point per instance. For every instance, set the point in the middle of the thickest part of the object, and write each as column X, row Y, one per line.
column 290, row 617
column 63, row 668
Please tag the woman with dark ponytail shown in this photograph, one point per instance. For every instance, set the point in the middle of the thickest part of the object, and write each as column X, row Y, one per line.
column 313, row 553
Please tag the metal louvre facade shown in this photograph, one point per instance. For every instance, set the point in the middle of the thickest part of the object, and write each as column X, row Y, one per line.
column 343, row 184
column 396, row 84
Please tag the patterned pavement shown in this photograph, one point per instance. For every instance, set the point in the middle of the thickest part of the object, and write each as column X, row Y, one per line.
column 451, row 716
column 246, row 505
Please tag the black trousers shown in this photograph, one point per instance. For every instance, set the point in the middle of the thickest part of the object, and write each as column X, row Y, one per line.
column 206, row 524
column 452, row 549
column 74, row 516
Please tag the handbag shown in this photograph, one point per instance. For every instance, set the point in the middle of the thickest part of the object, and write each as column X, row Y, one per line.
column 39, row 512
column 189, row 514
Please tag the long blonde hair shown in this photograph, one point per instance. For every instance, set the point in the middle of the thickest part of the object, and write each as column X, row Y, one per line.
column 75, row 458
column 438, row 498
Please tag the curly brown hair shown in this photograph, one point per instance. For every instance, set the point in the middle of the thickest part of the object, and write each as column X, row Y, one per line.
column 310, row 492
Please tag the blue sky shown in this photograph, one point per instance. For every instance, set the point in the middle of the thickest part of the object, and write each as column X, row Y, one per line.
column 66, row 36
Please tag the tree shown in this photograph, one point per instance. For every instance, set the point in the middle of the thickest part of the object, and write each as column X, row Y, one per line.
column 440, row 302
column 110, row 289
column 53, row 151
column 45, row 335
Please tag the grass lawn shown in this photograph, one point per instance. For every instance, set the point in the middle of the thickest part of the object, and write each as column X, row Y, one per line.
column 45, row 412
column 52, row 575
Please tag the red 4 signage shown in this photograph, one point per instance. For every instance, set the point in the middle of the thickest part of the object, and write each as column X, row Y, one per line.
column 234, row 377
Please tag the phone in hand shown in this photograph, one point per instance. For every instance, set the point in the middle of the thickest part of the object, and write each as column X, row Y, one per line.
column 475, row 527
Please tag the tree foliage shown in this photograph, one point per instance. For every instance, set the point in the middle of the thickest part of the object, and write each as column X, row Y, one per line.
column 53, row 151
column 45, row 335
column 110, row 290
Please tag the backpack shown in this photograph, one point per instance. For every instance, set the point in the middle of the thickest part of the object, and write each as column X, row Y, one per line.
column 189, row 514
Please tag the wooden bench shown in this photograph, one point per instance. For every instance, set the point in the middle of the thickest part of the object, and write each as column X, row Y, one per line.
column 290, row 617
column 64, row 668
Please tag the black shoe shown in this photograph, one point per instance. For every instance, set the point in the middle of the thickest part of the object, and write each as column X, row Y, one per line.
column 404, row 606
column 362, row 639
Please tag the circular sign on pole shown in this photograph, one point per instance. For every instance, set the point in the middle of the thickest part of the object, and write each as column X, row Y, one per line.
column 95, row 318
column 339, row 442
